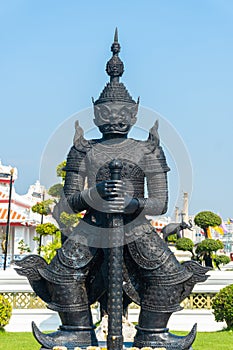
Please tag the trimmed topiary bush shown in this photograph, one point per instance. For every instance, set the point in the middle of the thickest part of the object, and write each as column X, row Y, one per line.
column 185, row 244
column 223, row 306
column 209, row 245
column 5, row 311
column 220, row 260
column 205, row 249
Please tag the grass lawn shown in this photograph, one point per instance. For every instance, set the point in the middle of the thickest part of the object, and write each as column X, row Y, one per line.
column 18, row 341
column 204, row 341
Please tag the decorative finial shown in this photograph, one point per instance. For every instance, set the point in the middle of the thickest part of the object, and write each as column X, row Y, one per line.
column 116, row 36
column 115, row 67
column 115, row 48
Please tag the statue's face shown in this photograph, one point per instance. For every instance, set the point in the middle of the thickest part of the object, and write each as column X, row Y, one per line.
column 115, row 48
column 115, row 67
column 112, row 117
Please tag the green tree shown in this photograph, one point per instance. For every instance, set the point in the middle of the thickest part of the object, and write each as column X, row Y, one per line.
column 221, row 259
column 209, row 245
column 56, row 190
column 43, row 208
column 70, row 220
column 185, row 244
column 206, row 248
column 65, row 219
column 204, row 219
column 48, row 251
column 46, row 229
column 23, row 248
column 62, row 213
column 60, row 170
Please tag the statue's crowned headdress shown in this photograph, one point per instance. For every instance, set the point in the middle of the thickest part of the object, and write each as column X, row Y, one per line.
column 114, row 93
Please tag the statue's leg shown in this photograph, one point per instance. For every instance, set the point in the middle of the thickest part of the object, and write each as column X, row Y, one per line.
column 162, row 283
column 157, row 305
column 162, row 290
column 69, row 298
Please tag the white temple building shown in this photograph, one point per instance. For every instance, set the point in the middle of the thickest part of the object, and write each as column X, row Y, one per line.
column 22, row 221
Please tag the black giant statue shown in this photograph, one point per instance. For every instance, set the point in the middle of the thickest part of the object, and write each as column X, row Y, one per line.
column 78, row 274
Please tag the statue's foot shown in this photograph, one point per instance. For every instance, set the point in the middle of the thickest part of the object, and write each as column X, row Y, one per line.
column 159, row 338
column 70, row 337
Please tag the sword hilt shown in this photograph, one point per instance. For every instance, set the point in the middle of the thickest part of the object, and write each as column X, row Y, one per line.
column 115, row 168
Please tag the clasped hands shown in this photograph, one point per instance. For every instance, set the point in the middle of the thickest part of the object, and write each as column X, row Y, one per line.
column 110, row 197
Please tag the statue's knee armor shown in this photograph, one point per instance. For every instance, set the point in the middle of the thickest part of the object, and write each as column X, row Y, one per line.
column 162, row 297
column 66, row 287
column 163, row 292
column 68, row 297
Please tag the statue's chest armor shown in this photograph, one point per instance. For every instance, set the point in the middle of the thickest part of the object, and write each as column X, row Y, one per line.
column 131, row 155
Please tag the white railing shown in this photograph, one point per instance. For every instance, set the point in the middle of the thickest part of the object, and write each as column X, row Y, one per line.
column 11, row 282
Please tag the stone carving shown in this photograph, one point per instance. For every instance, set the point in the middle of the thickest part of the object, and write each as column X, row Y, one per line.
column 114, row 232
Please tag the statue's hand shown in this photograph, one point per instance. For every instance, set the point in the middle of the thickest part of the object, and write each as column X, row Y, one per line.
column 110, row 197
column 120, row 202
column 106, row 196
column 110, row 189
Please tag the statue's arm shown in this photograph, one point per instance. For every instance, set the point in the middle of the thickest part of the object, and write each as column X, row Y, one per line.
column 73, row 190
column 156, row 177
column 157, row 201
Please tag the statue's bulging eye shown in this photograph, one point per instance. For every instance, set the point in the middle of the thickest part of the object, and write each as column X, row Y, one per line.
column 124, row 112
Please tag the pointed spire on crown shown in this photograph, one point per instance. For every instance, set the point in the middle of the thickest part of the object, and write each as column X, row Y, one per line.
column 115, row 67
column 114, row 91
column 115, row 48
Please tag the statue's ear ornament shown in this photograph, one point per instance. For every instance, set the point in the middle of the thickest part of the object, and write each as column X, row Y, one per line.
column 153, row 138
column 79, row 141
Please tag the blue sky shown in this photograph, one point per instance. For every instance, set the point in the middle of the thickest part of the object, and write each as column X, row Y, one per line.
column 178, row 58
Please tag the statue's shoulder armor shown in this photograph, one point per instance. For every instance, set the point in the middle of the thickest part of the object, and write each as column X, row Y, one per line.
column 77, row 154
column 154, row 158
column 155, row 161
column 75, row 160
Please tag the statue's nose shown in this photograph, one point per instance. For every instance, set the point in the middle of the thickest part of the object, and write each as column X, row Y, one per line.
column 113, row 117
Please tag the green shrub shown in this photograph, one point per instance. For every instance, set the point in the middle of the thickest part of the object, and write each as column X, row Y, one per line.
column 209, row 245
column 172, row 238
column 223, row 306
column 5, row 311
column 185, row 244
column 205, row 219
column 56, row 190
column 43, row 208
column 48, row 251
column 221, row 260
column 46, row 229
